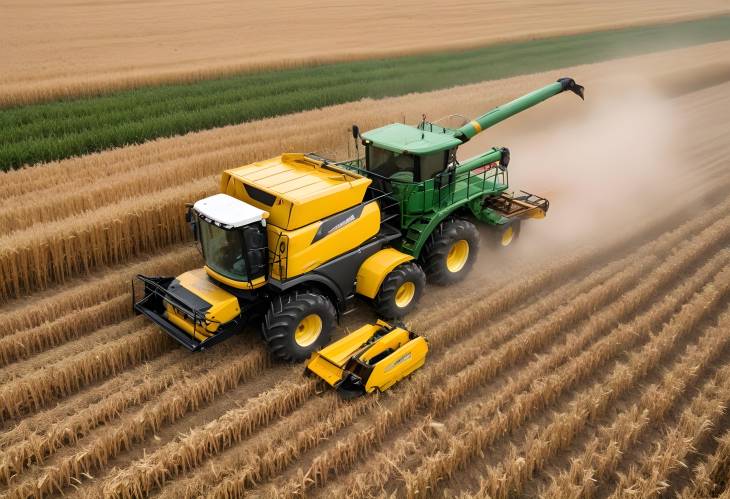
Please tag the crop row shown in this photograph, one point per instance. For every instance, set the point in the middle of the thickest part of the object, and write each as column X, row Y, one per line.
column 310, row 437
column 48, row 131
column 604, row 273
column 32, row 392
column 696, row 422
column 479, row 373
column 444, row 368
column 304, row 433
column 712, row 476
column 603, row 453
column 42, row 256
column 39, row 440
column 477, row 435
column 36, row 447
column 595, row 402
column 346, row 452
column 169, row 407
column 75, row 299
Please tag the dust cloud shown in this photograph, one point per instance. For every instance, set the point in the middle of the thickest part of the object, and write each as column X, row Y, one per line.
column 608, row 165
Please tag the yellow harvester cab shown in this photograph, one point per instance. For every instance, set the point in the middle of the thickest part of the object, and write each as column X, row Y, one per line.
column 289, row 242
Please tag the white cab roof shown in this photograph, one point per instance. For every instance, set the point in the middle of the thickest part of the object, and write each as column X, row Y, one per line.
column 228, row 210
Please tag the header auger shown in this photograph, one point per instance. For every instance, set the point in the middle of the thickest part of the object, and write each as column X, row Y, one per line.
column 293, row 240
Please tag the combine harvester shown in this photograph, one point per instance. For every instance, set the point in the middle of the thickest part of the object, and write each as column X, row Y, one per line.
column 292, row 240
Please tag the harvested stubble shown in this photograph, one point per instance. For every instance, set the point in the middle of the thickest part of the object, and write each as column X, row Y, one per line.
column 23, row 344
column 30, row 393
column 543, row 279
column 36, row 447
column 46, row 439
column 465, row 381
column 511, row 476
column 171, row 406
column 712, row 476
column 650, row 478
column 346, row 453
column 56, row 130
column 475, row 435
column 251, row 468
column 603, row 453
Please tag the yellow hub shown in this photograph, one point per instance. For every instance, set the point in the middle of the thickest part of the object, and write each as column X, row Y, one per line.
column 308, row 330
column 507, row 236
column 404, row 295
column 458, row 256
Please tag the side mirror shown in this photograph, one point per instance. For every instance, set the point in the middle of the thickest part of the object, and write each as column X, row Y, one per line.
column 504, row 160
column 191, row 220
column 355, row 132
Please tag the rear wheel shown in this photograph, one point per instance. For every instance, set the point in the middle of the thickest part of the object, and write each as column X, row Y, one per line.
column 400, row 291
column 506, row 234
column 451, row 251
column 297, row 324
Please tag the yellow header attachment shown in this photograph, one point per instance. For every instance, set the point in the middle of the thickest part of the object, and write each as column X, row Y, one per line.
column 376, row 356
column 295, row 189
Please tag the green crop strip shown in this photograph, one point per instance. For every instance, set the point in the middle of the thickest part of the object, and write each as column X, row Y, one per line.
column 56, row 130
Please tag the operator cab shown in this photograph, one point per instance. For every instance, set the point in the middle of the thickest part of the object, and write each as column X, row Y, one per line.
column 232, row 238
column 404, row 153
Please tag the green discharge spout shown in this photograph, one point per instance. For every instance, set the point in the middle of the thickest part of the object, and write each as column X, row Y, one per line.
column 501, row 113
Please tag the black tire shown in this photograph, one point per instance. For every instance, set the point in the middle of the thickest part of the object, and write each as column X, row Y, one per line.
column 287, row 314
column 439, row 246
column 506, row 235
column 406, row 278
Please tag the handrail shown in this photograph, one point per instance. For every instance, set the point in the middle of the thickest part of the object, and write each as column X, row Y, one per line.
column 152, row 288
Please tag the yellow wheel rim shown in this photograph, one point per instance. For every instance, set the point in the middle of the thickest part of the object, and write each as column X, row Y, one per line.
column 308, row 330
column 507, row 236
column 458, row 256
column 404, row 295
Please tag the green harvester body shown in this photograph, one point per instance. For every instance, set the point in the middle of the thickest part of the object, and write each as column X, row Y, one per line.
column 417, row 166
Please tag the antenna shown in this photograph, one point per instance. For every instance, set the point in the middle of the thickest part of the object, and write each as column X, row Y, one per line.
column 356, row 136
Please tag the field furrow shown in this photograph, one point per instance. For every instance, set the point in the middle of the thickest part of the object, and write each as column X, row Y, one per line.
column 473, row 437
column 601, row 321
column 359, row 440
column 602, row 454
column 651, row 475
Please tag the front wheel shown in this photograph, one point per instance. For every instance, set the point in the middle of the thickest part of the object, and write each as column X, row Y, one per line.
column 298, row 324
column 400, row 291
column 451, row 251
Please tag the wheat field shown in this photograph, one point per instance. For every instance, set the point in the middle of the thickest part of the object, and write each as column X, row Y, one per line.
column 586, row 364
column 108, row 46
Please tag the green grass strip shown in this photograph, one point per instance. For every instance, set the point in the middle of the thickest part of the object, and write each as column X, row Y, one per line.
column 56, row 130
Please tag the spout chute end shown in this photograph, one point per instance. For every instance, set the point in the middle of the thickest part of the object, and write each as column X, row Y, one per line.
column 570, row 84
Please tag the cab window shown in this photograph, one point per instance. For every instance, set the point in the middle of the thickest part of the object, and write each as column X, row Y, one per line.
column 432, row 164
column 388, row 163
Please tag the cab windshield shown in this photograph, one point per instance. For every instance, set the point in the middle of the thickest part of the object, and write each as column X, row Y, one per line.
column 224, row 250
